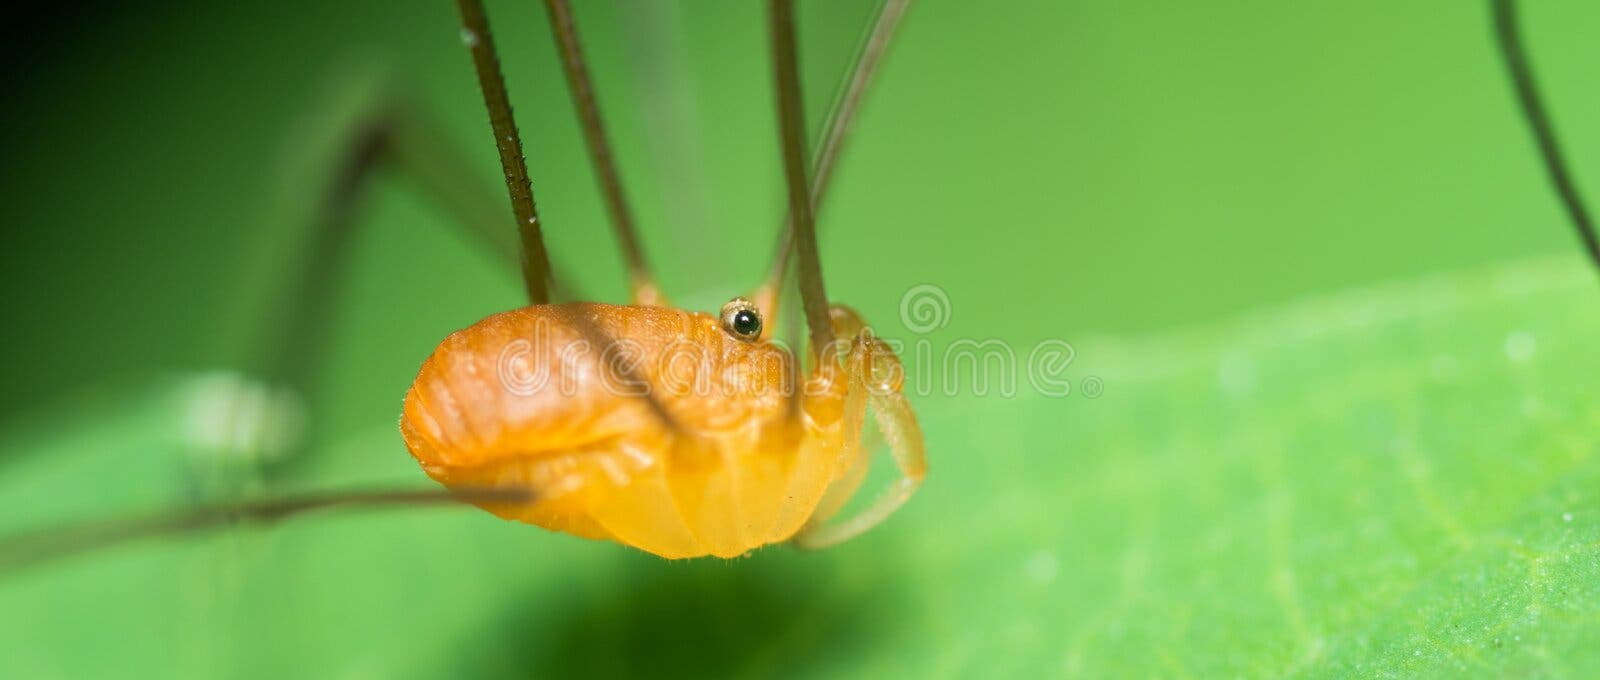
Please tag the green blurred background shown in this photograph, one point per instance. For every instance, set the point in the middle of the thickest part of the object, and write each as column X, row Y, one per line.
column 1099, row 172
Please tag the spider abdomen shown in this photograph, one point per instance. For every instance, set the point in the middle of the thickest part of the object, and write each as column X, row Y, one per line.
column 523, row 399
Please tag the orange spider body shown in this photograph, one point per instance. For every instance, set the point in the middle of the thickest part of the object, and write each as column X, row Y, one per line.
column 674, row 432
column 523, row 399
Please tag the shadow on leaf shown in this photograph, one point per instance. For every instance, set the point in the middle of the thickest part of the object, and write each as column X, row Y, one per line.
column 778, row 613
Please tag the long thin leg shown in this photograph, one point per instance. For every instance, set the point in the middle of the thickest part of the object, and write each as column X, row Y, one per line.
column 792, row 136
column 1516, row 60
column 535, row 260
column 836, row 130
column 645, row 290
column 22, row 550
column 480, row 42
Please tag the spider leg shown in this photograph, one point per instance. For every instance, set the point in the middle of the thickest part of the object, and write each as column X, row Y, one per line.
column 873, row 369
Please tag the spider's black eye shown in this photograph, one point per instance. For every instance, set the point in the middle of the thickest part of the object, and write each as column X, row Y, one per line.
column 741, row 319
column 745, row 322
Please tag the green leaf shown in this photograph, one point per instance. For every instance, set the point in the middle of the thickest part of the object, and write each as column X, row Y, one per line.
column 1393, row 481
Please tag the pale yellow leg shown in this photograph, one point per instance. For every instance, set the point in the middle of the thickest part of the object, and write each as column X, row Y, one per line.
column 898, row 425
column 845, row 487
column 900, row 429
